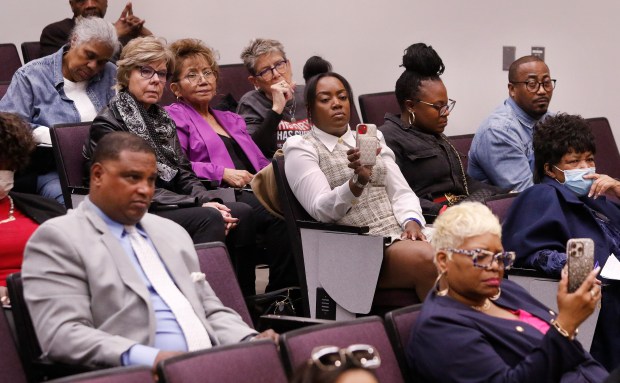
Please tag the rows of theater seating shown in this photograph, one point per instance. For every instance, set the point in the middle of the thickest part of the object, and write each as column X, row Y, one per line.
column 260, row 360
column 21, row 362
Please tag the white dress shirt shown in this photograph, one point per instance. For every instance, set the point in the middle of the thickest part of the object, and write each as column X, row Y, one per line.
column 325, row 204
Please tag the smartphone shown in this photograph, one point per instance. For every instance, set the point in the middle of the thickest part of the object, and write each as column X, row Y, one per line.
column 580, row 259
column 366, row 141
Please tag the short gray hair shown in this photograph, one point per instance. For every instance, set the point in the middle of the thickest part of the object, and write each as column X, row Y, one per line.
column 139, row 52
column 94, row 29
column 257, row 48
column 465, row 220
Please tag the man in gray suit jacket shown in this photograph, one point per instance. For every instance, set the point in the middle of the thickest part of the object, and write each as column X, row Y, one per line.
column 87, row 291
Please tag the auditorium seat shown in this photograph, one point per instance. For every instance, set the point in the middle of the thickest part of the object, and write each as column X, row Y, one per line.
column 607, row 157
column 67, row 142
column 462, row 143
column 500, row 204
column 215, row 263
column 9, row 61
column 296, row 346
column 4, row 85
column 31, row 50
column 11, row 369
column 374, row 106
column 167, row 96
column 37, row 367
column 354, row 118
column 232, row 84
column 134, row 374
column 399, row 324
column 311, row 240
column 257, row 362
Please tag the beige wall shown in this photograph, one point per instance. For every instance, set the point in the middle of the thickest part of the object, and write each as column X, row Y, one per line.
column 364, row 41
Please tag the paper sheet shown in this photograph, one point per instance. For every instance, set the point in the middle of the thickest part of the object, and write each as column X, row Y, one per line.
column 611, row 270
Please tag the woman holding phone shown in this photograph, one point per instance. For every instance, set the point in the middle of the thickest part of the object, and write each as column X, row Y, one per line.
column 477, row 326
column 568, row 201
column 324, row 171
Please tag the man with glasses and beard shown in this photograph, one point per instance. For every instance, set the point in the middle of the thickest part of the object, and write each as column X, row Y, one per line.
column 128, row 26
column 501, row 152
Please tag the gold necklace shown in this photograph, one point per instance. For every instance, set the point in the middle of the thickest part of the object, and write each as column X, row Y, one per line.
column 483, row 307
column 458, row 157
column 11, row 211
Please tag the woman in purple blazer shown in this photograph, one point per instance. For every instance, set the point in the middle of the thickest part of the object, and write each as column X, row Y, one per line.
column 220, row 148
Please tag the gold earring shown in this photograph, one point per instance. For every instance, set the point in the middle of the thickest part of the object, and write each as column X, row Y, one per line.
column 444, row 292
column 496, row 296
column 411, row 117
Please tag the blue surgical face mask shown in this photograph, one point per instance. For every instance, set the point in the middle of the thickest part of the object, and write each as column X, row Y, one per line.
column 573, row 179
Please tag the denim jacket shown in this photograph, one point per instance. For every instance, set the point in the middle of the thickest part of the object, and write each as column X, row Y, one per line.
column 501, row 152
column 37, row 92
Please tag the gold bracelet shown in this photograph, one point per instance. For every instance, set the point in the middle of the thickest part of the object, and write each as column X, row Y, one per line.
column 562, row 331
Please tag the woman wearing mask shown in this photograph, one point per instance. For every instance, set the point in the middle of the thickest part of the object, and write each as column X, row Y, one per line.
column 566, row 202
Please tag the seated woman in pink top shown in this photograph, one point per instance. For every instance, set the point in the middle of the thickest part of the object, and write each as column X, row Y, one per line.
column 219, row 147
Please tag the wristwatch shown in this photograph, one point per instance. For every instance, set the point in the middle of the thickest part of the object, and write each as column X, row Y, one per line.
column 357, row 182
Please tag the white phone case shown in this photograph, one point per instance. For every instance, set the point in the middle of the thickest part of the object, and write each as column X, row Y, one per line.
column 367, row 143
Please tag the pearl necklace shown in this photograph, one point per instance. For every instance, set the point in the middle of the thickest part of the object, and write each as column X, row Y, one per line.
column 11, row 211
column 484, row 307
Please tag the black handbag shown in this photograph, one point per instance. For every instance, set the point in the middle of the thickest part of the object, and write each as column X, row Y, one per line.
column 279, row 302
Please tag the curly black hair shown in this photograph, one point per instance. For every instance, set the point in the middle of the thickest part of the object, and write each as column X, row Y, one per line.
column 557, row 135
column 421, row 63
column 16, row 142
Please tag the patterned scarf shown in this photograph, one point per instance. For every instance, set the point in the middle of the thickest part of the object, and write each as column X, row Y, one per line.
column 155, row 126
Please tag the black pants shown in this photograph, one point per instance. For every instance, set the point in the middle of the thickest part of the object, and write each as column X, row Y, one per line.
column 282, row 271
column 207, row 225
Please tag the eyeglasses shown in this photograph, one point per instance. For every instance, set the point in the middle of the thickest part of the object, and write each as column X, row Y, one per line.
column 195, row 78
column 330, row 358
column 484, row 259
column 267, row 73
column 148, row 72
column 533, row 85
column 442, row 109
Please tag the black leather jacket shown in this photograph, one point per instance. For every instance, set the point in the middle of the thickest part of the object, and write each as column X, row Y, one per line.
column 185, row 189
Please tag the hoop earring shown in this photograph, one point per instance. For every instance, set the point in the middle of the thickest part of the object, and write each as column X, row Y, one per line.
column 411, row 117
column 496, row 296
column 444, row 292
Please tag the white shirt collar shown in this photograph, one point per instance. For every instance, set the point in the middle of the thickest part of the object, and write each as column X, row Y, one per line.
column 330, row 141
